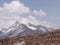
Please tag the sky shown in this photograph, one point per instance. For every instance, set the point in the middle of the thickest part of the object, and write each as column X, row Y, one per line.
column 37, row 12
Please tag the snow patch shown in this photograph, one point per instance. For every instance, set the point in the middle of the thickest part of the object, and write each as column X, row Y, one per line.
column 31, row 27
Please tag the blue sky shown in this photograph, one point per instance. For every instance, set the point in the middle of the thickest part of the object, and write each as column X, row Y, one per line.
column 50, row 7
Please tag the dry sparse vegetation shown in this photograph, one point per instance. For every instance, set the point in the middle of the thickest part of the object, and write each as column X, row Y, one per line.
column 46, row 39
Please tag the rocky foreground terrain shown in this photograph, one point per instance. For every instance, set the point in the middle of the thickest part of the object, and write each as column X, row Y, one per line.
column 50, row 38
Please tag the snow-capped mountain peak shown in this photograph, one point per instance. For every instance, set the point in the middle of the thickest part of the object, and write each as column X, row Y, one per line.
column 23, row 29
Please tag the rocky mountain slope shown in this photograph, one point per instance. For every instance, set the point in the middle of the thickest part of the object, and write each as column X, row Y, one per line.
column 18, row 29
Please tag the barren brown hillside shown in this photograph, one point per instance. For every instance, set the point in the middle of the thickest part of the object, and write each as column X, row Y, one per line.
column 51, row 38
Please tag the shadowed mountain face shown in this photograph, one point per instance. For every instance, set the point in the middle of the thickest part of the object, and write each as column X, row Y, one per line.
column 18, row 29
column 1, row 32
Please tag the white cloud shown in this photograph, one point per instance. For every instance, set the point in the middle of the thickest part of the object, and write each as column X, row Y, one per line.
column 39, row 12
column 33, row 20
column 16, row 7
column 13, row 9
column 5, row 23
column 11, row 12
column 48, row 24
column 30, row 19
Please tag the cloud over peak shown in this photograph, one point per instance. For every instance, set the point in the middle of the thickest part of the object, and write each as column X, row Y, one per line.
column 11, row 12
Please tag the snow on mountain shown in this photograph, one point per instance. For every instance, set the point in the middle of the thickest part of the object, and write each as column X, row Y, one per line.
column 18, row 29
column 31, row 26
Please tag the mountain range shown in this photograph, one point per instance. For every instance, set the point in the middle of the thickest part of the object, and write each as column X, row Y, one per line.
column 20, row 29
